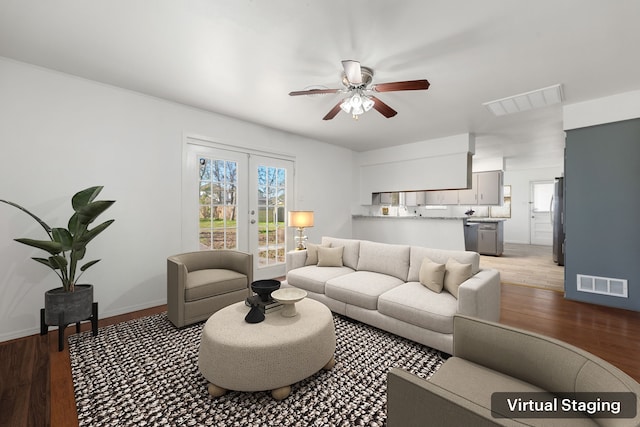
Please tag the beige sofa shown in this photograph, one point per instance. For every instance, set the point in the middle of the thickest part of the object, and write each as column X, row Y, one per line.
column 490, row 357
column 201, row 283
column 378, row 284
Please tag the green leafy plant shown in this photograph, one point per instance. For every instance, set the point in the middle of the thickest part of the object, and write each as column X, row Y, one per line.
column 68, row 246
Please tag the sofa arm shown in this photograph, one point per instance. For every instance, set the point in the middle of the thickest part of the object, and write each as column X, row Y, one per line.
column 296, row 259
column 479, row 296
column 413, row 401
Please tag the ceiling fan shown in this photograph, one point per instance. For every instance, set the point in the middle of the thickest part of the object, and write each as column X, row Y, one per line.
column 356, row 80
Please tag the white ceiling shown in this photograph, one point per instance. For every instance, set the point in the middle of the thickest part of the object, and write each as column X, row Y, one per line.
column 241, row 58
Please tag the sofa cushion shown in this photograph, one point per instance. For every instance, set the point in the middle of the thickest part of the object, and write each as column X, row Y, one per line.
column 330, row 257
column 432, row 275
column 413, row 303
column 214, row 281
column 360, row 288
column 351, row 250
column 455, row 273
column 312, row 278
column 312, row 253
column 440, row 256
column 384, row 258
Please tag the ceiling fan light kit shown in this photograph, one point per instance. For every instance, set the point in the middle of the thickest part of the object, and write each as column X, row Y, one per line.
column 356, row 80
column 357, row 104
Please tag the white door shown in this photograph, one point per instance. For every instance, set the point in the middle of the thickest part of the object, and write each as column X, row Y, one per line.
column 271, row 195
column 541, row 223
column 215, row 199
column 237, row 200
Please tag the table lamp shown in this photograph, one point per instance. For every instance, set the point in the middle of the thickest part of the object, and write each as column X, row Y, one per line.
column 300, row 220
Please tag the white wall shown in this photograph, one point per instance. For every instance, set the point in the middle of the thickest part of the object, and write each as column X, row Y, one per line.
column 427, row 165
column 614, row 108
column 516, row 228
column 60, row 134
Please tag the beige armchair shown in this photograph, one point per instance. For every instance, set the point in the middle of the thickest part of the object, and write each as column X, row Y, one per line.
column 201, row 283
column 490, row 357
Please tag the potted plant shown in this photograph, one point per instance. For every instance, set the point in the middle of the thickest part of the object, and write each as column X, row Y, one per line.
column 66, row 248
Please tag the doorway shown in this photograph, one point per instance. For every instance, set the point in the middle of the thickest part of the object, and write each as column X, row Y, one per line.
column 270, row 195
column 233, row 199
column 541, row 222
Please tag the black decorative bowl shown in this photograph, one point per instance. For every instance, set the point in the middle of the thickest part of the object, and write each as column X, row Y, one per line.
column 264, row 288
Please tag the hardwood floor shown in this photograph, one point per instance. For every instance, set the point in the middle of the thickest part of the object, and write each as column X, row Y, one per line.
column 30, row 364
column 610, row 333
column 24, row 385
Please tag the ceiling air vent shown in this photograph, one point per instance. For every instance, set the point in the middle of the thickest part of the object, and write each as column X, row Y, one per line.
column 526, row 101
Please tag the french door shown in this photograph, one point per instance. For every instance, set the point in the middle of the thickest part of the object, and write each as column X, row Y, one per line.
column 271, row 194
column 237, row 200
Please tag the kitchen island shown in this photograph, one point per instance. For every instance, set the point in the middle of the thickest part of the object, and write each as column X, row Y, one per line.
column 431, row 232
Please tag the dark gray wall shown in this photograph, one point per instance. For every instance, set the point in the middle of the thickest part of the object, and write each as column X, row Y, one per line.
column 602, row 202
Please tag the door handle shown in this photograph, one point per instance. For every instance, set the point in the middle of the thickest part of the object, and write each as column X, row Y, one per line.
column 253, row 221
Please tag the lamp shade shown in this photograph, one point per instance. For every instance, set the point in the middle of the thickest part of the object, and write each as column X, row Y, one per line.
column 300, row 218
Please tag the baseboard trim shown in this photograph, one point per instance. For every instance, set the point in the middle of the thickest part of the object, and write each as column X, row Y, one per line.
column 101, row 315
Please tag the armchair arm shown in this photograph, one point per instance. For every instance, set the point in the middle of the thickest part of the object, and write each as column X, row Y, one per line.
column 241, row 262
column 413, row 401
column 479, row 296
column 176, row 282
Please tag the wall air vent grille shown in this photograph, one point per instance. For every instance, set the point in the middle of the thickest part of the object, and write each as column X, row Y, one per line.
column 602, row 285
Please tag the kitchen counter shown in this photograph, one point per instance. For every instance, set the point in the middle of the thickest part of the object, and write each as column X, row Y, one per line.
column 431, row 232
column 457, row 218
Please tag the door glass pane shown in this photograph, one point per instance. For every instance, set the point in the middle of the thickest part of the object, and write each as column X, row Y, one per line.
column 542, row 194
column 272, row 201
column 218, row 204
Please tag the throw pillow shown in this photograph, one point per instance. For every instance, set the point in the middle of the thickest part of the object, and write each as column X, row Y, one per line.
column 312, row 253
column 454, row 275
column 432, row 275
column 330, row 257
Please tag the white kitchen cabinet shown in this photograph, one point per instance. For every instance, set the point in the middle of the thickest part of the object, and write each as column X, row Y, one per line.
column 415, row 198
column 441, row 197
column 490, row 238
column 486, row 189
column 469, row 196
column 389, row 198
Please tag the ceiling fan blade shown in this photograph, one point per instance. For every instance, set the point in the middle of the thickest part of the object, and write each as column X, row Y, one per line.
column 313, row 92
column 334, row 111
column 353, row 71
column 407, row 85
column 382, row 108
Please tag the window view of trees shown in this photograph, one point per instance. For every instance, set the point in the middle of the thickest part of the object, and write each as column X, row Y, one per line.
column 271, row 214
column 218, row 204
column 218, row 208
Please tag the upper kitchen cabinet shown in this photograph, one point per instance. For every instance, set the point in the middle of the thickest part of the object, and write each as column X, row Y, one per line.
column 442, row 197
column 415, row 198
column 486, row 189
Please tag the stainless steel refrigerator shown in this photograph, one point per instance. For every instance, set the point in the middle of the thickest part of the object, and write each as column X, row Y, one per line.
column 557, row 215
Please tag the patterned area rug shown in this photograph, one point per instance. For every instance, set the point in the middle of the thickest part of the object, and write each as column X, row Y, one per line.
column 144, row 373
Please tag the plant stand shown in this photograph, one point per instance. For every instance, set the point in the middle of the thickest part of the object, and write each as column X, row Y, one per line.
column 44, row 328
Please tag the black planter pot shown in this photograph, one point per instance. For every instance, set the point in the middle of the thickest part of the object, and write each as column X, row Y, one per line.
column 74, row 306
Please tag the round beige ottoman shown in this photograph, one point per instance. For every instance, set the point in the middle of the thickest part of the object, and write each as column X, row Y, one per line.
column 270, row 355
